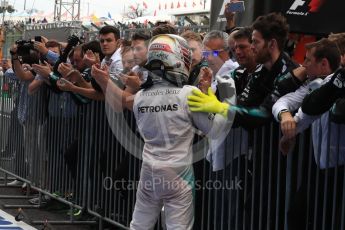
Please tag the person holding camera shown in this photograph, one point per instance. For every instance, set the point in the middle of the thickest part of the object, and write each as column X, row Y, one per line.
column 13, row 147
column 49, row 53
column 62, row 108
column 30, row 109
column 49, row 50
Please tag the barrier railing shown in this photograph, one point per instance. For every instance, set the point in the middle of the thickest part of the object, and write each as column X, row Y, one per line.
column 80, row 155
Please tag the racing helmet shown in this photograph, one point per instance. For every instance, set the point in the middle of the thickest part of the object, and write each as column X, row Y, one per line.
column 170, row 55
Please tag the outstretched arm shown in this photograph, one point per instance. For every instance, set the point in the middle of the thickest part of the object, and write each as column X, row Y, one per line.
column 114, row 95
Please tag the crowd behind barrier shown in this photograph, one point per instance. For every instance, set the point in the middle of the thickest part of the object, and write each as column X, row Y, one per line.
column 80, row 160
column 84, row 154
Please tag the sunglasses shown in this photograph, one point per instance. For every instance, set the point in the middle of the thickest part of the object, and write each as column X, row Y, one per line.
column 214, row 53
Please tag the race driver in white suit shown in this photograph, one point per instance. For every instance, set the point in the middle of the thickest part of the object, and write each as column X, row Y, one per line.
column 168, row 127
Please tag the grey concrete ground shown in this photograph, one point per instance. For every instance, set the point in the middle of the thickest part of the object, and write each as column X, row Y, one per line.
column 54, row 211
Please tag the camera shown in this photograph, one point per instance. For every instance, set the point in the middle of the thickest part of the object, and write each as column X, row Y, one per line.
column 38, row 38
column 24, row 47
column 26, row 50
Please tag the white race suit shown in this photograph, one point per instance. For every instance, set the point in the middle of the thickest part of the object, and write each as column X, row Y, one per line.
column 167, row 179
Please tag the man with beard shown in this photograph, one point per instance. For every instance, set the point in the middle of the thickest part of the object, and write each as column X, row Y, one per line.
column 272, row 78
column 139, row 47
column 138, row 74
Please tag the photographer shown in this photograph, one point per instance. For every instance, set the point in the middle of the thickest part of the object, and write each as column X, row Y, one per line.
column 30, row 108
column 42, row 45
column 62, row 111
column 13, row 146
column 48, row 56
column 28, row 56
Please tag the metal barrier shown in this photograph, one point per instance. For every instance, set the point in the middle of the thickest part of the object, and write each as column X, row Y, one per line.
column 76, row 154
column 8, row 89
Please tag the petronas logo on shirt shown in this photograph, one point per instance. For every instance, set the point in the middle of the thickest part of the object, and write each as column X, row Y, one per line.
column 158, row 108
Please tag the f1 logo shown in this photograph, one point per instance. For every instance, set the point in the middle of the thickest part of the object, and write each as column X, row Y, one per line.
column 296, row 4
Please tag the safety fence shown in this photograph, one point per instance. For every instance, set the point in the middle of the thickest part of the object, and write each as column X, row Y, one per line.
column 80, row 156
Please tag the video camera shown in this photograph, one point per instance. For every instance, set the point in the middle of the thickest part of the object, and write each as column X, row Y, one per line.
column 24, row 47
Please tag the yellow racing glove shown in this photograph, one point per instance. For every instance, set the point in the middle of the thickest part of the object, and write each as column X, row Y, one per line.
column 208, row 103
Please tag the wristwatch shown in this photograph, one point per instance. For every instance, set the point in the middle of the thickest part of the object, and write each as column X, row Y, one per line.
column 280, row 113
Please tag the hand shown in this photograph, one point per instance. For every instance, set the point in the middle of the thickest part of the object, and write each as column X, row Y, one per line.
column 100, row 74
column 136, row 71
column 285, row 145
column 26, row 67
column 132, row 81
column 214, row 62
column 44, row 39
column 13, row 50
column 300, row 73
column 43, row 70
column 205, row 77
column 227, row 14
column 230, row 16
column 63, row 45
column 41, row 47
column 288, row 125
column 75, row 77
column 200, row 102
column 65, row 85
column 90, row 58
column 64, row 69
